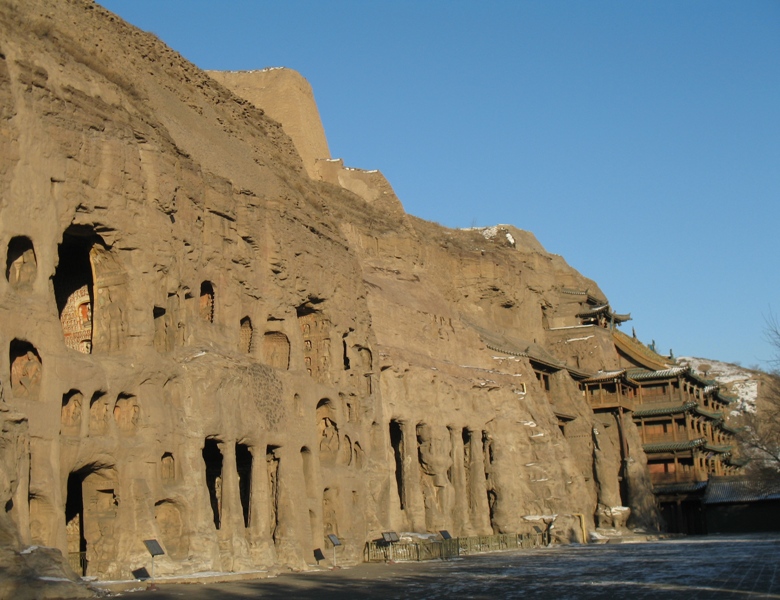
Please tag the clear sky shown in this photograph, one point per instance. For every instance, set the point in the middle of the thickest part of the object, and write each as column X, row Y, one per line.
column 639, row 140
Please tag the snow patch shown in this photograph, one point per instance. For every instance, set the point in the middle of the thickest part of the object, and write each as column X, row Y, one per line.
column 736, row 380
column 580, row 339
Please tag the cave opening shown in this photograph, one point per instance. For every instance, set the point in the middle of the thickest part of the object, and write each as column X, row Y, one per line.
column 212, row 457
column 244, row 469
column 397, row 443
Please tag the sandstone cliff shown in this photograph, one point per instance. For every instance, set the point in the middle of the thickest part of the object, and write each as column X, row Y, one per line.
column 216, row 340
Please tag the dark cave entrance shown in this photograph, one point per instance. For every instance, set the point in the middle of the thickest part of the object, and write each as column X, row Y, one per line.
column 244, row 469
column 212, row 457
column 397, row 442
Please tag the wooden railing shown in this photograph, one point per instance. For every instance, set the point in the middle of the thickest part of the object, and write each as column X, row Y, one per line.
column 610, row 400
column 422, row 549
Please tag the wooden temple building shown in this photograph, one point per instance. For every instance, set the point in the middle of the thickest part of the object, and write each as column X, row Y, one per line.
column 681, row 417
column 685, row 435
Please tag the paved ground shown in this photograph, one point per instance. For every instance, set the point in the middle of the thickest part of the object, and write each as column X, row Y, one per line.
column 744, row 567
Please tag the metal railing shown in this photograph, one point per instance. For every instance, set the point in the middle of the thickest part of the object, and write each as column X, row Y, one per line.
column 422, row 549
column 78, row 562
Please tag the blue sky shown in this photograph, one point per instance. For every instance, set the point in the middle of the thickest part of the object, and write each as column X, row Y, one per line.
column 639, row 140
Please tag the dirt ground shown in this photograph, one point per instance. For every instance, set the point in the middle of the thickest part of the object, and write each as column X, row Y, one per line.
column 691, row 568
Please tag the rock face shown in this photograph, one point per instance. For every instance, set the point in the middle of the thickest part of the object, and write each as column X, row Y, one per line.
column 218, row 341
column 287, row 97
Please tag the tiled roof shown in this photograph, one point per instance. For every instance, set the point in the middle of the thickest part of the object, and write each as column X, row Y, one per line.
column 604, row 376
column 638, row 352
column 724, row 398
column 664, row 409
column 707, row 384
column 727, row 490
column 643, row 374
column 594, row 310
column 715, row 416
column 724, row 449
column 729, row 429
column 673, row 446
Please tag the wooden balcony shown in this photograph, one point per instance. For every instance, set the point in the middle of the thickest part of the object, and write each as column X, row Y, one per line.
column 605, row 400
column 680, row 436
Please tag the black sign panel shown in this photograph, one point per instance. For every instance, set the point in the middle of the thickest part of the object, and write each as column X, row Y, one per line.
column 154, row 548
column 334, row 539
column 390, row 536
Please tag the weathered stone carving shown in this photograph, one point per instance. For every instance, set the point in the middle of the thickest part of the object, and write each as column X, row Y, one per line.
column 72, row 405
column 245, row 338
column 206, row 302
column 276, row 350
column 21, row 264
column 126, row 413
column 26, row 370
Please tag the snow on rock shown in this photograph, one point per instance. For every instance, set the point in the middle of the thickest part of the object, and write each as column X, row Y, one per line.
column 736, row 380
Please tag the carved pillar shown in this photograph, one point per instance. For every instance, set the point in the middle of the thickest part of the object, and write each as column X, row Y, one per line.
column 415, row 507
column 258, row 502
column 460, row 516
column 287, row 535
column 232, row 514
column 480, row 512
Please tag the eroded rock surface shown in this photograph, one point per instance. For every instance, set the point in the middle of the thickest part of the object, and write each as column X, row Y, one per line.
column 215, row 343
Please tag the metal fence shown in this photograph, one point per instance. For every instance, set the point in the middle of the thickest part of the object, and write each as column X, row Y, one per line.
column 422, row 549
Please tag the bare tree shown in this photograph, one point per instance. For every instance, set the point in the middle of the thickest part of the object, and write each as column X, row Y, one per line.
column 761, row 435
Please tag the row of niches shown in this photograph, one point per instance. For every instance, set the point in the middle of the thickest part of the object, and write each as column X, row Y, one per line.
column 100, row 416
column 26, row 373
column 274, row 347
column 92, row 291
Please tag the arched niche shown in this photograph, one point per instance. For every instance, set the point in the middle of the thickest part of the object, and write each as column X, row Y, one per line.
column 330, row 501
column 91, row 507
column 167, row 467
column 360, row 456
column 276, row 350
column 72, row 409
column 245, row 336
column 21, row 265
column 206, row 302
column 127, row 413
column 307, row 461
column 366, row 362
column 26, row 369
column 328, row 432
column 98, row 413
column 170, row 523
column 91, row 292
